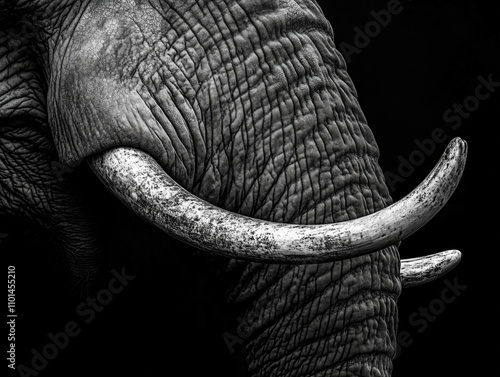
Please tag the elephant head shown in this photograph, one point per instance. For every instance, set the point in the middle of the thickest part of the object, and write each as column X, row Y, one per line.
column 234, row 126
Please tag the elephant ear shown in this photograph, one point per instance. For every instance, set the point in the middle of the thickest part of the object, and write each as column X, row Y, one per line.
column 34, row 185
column 93, row 97
column 114, row 83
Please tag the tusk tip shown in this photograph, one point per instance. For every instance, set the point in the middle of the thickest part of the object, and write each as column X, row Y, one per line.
column 457, row 148
column 421, row 270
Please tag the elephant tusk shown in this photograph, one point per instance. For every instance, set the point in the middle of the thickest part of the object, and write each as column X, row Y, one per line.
column 140, row 182
column 421, row 270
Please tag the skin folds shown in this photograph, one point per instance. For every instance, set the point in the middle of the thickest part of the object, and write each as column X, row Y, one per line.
column 247, row 105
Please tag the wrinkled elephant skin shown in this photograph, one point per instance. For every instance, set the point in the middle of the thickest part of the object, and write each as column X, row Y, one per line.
column 245, row 104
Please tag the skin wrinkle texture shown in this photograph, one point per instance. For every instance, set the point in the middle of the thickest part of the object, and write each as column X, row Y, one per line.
column 249, row 106
column 28, row 187
column 222, row 149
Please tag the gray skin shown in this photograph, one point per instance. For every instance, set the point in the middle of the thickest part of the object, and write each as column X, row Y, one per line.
column 246, row 104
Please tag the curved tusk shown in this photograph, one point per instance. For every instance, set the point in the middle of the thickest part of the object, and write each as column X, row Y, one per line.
column 421, row 270
column 137, row 179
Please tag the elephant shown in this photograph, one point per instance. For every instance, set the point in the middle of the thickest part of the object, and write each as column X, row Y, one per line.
column 234, row 127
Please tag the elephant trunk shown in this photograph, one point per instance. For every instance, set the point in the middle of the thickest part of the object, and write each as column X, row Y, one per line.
column 326, row 319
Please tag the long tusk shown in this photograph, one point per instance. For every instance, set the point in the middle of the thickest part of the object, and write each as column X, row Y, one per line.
column 421, row 270
column 137, row 179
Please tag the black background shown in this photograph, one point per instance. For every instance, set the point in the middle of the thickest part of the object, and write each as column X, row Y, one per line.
column 428, row 58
